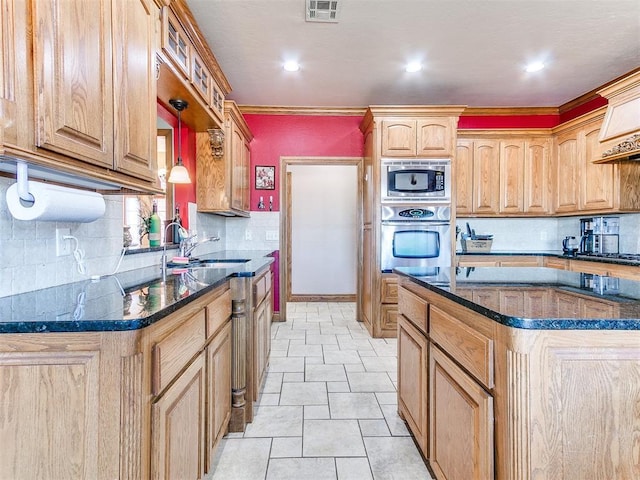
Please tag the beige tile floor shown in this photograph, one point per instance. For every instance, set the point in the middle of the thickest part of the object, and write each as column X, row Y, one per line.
column 328, row 408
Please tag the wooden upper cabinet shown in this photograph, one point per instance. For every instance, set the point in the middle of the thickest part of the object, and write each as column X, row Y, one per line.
column 175, row 43
column 223, row 183
column 537, row 176
column 240, row 159
column 200, row 77
column 512, row 176
column 399, row 138
column 497, row 176
column 435, row 136
column 598, row 180
column 567, row 173
column 463, row 175
column 10, row 52
column 95, row 98
column 486, row 174
column 135, row 87
column 424, row 137
column 74, row 78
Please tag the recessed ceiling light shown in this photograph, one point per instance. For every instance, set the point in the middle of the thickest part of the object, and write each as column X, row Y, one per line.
column 291, row 66
column 413, row 67
column 534, row 67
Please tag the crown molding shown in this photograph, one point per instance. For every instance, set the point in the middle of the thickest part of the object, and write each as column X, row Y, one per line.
column 508, row 111
column 282, row 110
column 593, row 94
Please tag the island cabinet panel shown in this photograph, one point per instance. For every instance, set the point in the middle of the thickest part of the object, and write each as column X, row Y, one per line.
column 178, row 426
column 460, row 424
column 573, row 398
column 472, row 349
column 414, row 308
column 74, row 79
column 413, row 350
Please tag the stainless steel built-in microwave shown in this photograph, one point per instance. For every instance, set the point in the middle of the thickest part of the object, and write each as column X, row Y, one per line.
column 416, row 180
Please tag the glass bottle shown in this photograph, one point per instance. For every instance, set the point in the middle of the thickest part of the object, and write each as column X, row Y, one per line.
column 176, row 228
column 154, row 227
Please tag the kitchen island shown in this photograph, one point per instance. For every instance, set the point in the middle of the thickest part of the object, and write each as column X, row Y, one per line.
column 131, row 376
column 521, row 373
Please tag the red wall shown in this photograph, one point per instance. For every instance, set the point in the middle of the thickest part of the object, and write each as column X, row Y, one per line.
column 278, row 136
column 183, row 193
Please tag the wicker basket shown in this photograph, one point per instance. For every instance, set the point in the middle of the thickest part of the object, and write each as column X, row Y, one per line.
column 476, row 246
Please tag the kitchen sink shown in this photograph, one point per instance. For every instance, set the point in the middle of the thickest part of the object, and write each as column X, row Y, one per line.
column 219, row 264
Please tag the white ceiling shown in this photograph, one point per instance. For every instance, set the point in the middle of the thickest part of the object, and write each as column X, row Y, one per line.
column 473, row 51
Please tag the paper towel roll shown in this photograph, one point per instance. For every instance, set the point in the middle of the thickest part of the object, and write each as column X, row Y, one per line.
column 53, row 203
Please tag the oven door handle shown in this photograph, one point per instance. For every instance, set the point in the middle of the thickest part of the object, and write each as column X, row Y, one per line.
column 415, row 224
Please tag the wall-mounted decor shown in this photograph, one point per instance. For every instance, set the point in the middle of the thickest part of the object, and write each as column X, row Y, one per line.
column 265, row 178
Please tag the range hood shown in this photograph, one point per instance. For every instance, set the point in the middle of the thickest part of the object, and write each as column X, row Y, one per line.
column 620, row 132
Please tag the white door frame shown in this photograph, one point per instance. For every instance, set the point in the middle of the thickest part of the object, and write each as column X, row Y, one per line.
column 285, row 224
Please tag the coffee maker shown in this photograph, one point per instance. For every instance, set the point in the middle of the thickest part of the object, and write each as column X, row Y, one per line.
column 600, row 235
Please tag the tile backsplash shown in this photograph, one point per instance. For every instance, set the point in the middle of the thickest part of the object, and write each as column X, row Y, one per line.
column 28, row 251
column 28, row 248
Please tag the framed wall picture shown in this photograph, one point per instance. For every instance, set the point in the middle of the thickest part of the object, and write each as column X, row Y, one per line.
column 265, row 178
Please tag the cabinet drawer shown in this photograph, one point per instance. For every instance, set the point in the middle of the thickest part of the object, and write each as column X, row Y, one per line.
column 171, row 354
column 261, row 287
column 414, row 308
column 471, row 349
column 218, row 312
column 389, row 289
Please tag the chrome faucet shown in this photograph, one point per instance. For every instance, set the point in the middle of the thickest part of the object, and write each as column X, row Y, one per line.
column 164, row 249
column 190, row 243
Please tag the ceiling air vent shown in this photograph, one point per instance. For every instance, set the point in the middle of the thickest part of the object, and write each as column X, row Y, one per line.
column 322, row 11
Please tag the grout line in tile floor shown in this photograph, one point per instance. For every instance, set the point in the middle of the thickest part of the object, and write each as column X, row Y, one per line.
column 328, row 407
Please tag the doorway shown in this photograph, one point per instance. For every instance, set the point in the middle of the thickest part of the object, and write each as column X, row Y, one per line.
column 321, row 229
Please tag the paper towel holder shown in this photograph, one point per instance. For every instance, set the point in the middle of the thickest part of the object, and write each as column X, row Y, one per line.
column 22, row 177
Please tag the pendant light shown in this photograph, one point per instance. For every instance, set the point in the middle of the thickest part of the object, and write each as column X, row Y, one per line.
column 179, row 173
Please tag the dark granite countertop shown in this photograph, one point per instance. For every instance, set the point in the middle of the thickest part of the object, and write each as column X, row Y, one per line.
column 558, row 254
column 560, row 299
column 126, row 301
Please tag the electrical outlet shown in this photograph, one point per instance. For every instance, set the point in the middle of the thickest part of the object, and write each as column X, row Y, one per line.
column 248, row 235
column 63, row 247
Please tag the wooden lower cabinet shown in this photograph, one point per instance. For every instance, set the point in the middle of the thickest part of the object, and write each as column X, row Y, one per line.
column 413, row 351
column 178, row 426
column 262, row 313
column 140, row 404
column 562, row 405
column 218, row 391
column 460, row 423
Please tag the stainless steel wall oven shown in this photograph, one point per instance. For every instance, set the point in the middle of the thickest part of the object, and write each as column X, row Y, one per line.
column 417, row 236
